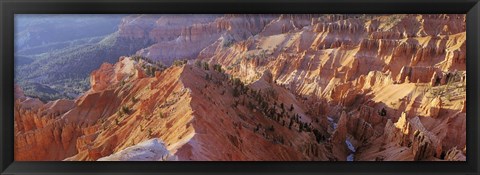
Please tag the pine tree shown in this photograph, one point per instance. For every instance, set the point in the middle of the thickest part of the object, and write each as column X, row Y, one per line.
column 291, row 123
column 236, row 92
column 206, row 66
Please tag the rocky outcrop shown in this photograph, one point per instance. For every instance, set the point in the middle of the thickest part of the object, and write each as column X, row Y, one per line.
column 39, row 130
column 269, row 85
column 415, row 75
column 100, row 79
column 360, row 129
column 109, row 123
column 340, row 134
column 150, row 150
column 422, row 146
column 435, row 107
column 186, row 37
column 455, row 155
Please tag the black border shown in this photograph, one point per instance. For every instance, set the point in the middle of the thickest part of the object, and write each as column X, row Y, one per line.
column 9, row 7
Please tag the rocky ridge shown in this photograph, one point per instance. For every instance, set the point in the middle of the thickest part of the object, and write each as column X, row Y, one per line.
column 294, row 88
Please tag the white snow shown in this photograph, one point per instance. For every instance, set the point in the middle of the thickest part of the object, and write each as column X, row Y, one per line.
column 150, row 150
column 350, row 146
column 334, row 125
column 350, row 157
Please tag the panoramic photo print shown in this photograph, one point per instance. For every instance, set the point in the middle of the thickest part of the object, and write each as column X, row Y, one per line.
column 240, row 87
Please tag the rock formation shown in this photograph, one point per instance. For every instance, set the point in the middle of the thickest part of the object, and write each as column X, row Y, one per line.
column 150, row 150
column 267, row 87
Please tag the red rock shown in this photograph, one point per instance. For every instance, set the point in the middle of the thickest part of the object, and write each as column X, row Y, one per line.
column 324, row 65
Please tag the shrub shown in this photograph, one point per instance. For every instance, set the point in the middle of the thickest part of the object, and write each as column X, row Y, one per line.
column 162, row 115
column 218, row 68
column 138, row 58
column 179, row 62
column 227, row 42
column 383, row 112
column 291, row 123
column 134, row 99
column 237, row 82
column 206, row 66
column 208, row 77
column 125, row 110
column 198, row 63
column 256, row 128
column 236, row 92
column 271, row 128
column 150, row 132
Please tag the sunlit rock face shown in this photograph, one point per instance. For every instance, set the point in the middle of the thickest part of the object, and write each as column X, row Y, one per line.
column 265, row 87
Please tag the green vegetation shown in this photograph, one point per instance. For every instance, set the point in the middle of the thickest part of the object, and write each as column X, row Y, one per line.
column 150, row 71
column 206, row 66
column 227, row 42
column 271, row 128
column 257, row 127
column 134, row 99
column 180, row 62
column 218, row 68
column 162, row 115
column 208, row 77
column 150, row 67
column 123, row 110
column 454, row 87
column 150, row 132
column 198, row 63
column 67, row 70
column 236, row 92
column 393, row 20
column 319, row 137
column 264, row 101
column 383, row 112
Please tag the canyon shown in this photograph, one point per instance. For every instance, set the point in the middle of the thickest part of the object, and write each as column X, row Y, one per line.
column 264, row 88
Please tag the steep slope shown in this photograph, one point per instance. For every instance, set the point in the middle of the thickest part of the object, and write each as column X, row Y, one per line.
column 275, row 87
column 125, row 107
column 163, row 38
column 374, row 67
column 184, row 36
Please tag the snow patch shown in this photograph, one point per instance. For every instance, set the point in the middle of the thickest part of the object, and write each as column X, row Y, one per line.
column 150, row 150
column 334, row 125
column 350, row 146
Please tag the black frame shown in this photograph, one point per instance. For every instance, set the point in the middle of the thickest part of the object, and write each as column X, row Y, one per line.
column 10, row 7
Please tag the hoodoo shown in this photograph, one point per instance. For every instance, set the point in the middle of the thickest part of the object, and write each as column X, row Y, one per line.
column 264, row 87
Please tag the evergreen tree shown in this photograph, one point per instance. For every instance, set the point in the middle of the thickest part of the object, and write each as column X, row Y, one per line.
column 236, row 92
